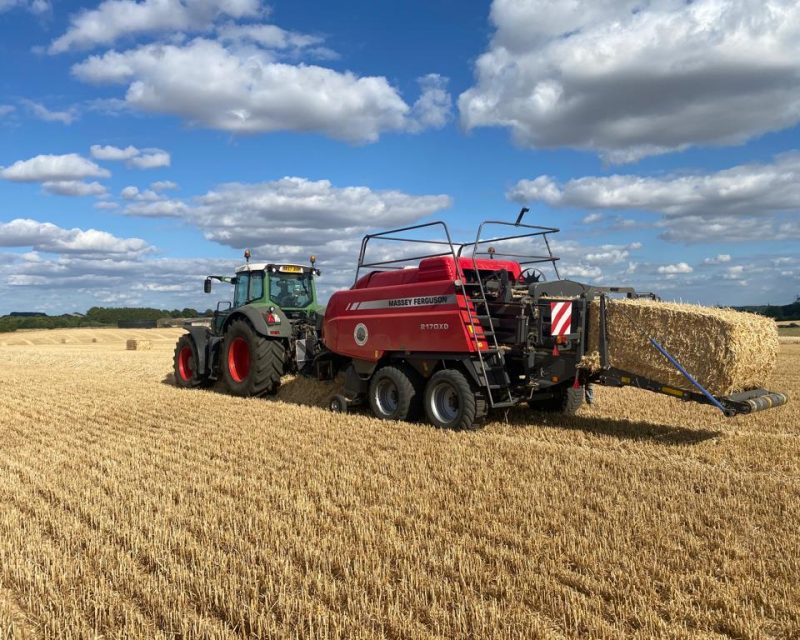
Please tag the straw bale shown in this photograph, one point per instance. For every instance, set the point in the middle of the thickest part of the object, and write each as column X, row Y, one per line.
column 138, row 345
column 725, row 350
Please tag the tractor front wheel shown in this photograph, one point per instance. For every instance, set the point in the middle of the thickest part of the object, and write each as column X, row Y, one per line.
column 450, row 401
column 185, row 363
column 252, row 365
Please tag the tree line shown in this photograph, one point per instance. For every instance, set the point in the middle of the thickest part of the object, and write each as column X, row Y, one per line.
column 94, row 317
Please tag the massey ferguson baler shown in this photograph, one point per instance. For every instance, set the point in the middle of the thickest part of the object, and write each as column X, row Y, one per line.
column 461, row 332
column 451, row 333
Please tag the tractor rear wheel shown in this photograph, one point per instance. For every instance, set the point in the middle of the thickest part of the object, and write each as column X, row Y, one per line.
column 252, row 365
column 450, row 401
column 184, row 364
column 394, row 393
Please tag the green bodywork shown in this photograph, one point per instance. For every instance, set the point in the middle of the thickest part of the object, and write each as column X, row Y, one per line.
column 277, row 289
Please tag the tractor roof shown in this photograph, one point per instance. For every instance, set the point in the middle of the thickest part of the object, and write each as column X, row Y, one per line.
column 263, row 266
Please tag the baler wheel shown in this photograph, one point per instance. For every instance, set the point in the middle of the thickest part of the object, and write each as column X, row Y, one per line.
column 337, row 403
column 185, row 364
column 252, row 365
column 450, row 401
column 568, row 400
column 393, row 394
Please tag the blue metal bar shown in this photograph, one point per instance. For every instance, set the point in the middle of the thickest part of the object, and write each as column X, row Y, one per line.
column 687, row 375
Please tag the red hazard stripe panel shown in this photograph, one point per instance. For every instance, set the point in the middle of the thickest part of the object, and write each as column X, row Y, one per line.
column 560, row 318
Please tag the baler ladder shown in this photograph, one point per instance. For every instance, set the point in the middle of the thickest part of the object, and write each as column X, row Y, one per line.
column 497, row 368
column 492, row 366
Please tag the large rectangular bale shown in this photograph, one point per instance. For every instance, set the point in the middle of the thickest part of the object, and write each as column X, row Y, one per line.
column 725, row 350
column 138, row 345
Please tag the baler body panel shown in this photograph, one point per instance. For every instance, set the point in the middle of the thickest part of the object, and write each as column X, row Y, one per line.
column 410, row 310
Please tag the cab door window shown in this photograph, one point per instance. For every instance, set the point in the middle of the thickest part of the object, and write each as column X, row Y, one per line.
column 249, row 286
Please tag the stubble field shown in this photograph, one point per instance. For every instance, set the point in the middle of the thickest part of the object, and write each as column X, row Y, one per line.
column 130, row 508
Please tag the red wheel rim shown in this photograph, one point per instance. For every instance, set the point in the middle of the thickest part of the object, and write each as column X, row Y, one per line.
column 239, row 359
column 185, row 364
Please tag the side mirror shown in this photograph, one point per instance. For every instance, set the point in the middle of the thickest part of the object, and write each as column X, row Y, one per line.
column 207, row 285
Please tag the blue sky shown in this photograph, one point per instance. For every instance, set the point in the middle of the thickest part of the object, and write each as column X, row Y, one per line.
column 145, row 144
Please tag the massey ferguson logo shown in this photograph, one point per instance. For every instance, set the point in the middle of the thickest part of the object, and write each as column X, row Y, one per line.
column 396, row 303
column 417, row 302
column 361, row 334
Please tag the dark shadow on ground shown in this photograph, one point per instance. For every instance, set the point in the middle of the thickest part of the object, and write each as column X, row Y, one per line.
column 297, row 390
column 618, row 428
column 313, row 393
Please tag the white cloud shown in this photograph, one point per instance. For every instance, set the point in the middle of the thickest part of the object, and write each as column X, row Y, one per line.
column 133, row 193
column 246, row 91
column 110, row 152
column 631, row 78
column 34, row 6
column 734, row 273
column 303, row 213
column 608, row 254
column 732, row 204
column 106, row 206
column 163, row 185
column 5, row 109
column 592, row 218
column 269, row 36
column 74, row 188
column 680, row 267
column 742, row 189
column 114, row 19
column 433, row 108
column 43, row 113
column 150, row 159
column 580, row 271
column 158, row 209
column 48, row 237
column 133, row 157
column 52, row 168
column 720, row 259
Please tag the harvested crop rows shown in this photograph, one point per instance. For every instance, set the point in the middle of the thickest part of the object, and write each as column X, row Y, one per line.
column 130, row 508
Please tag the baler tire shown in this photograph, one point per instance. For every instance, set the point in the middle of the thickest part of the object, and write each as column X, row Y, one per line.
column 573, row 400
column 454, row 382
column 407, row 401
column 568, row 400
column 184, row 364
column 256, row 371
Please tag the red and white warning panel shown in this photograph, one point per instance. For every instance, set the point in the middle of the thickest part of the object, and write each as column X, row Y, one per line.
column 560, row 318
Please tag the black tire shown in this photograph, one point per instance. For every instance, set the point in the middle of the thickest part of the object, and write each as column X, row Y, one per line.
column 184, row 364
column 567, row 400
column 450, row 401
column 337, row 404
column 394, row 393
column 252, row 365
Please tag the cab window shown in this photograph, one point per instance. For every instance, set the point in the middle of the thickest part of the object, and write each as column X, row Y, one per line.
column 249, row 286
column 290, row 290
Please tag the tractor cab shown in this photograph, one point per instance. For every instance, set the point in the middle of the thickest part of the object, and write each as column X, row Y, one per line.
column 280, row 290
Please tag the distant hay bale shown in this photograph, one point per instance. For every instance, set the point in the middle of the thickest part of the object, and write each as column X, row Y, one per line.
column 63, row 341
column 138, row 345
column 94, row 339
column 725, row 350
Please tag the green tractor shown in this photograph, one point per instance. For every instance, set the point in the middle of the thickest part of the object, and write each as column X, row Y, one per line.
column 270, row 329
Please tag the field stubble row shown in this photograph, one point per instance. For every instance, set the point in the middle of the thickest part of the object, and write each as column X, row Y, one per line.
column 130, row 508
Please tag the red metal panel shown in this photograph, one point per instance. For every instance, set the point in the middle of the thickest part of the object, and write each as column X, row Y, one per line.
column 418, row 309
column 366, row 323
